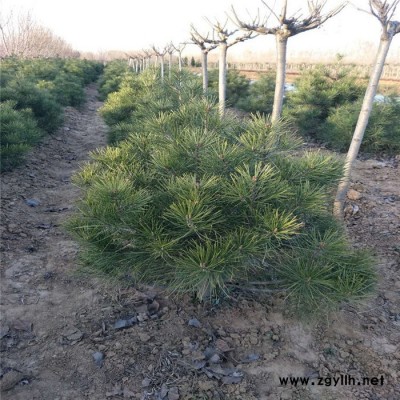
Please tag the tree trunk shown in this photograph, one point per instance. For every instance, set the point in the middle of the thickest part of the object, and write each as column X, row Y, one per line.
column 169, row 65
column 162, row 68
column 180, row 60
column 281, row 48
column 362, row 123
column 223, row 49
column 204, row 68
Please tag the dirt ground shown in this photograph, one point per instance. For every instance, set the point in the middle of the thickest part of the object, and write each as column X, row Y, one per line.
column 68, row 336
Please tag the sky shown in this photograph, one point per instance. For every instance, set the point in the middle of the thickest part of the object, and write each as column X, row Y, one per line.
column 129, row 25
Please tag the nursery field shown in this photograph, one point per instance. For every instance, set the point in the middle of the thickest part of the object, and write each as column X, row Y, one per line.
column 67, row 334
column 391, row 85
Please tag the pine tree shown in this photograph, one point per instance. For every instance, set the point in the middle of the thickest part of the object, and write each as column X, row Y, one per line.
column 206, row 205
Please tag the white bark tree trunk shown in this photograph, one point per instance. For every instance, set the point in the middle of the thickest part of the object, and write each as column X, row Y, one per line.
column 180, row 61
column 204, row 68
column 169, row 65
column 362, row 123
column 223, row 49
column 162, row 68
column 281, row 49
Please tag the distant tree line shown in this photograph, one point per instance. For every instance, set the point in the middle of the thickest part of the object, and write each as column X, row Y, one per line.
column 23, row 37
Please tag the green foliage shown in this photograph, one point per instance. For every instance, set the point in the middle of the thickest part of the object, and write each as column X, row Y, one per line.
column 382, row 133
column 260, row 96
column 40, row 69
column 237, row 85
column 19, row 132
column 67, row 90
column 113, row 75
column 86, row 70
column 124, row 109
column 326, row 105
column 317, row 93
column 120, row 104
column 44, row 106
column 41, row 87
column 203, row 204
column 321, row 272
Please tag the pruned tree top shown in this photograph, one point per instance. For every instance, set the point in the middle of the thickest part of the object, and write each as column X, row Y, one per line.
column 131, row 56
column 201, row 40
column 383, row 11
column 180, row 47
column 170, row 49
column 147, row 52
column 287, row 26
column 160, row 52
column 221, row 34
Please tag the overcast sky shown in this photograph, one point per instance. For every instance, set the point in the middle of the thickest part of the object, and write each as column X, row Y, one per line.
column 99, row 25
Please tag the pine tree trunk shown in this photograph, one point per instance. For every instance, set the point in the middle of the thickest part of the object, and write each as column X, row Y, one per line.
column 180, row 61
column 362, row 123
column 169, row 65
column 223, row 49
column 281, row 47
column 204, row 67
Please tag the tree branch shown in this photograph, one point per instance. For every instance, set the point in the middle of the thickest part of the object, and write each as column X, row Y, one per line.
column 290, row 26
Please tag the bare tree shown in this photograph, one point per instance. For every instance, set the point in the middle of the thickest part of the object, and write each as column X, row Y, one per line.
column 224, row 38
column 205, row 48
column 286, row 27
column 179, row 49
column 160, row 53
column 131, row 62
column 137, row 57
column 384, row 12
column 147, row 56
column 170, row 51
column 136, row 63
column 22, row 36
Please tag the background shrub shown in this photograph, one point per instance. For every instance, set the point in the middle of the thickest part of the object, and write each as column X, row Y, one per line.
column 113, row 75
column 260, row 95
column 19, row 131
column 382, row 133
column 67, row 90
column 88, row 71
column 237, row 85
column 120, row 104
column 318, row 91
column 42, row 86
column 47, row 111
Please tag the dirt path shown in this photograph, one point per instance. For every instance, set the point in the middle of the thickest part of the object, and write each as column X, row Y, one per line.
column 40, row 298
column 68, row 337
